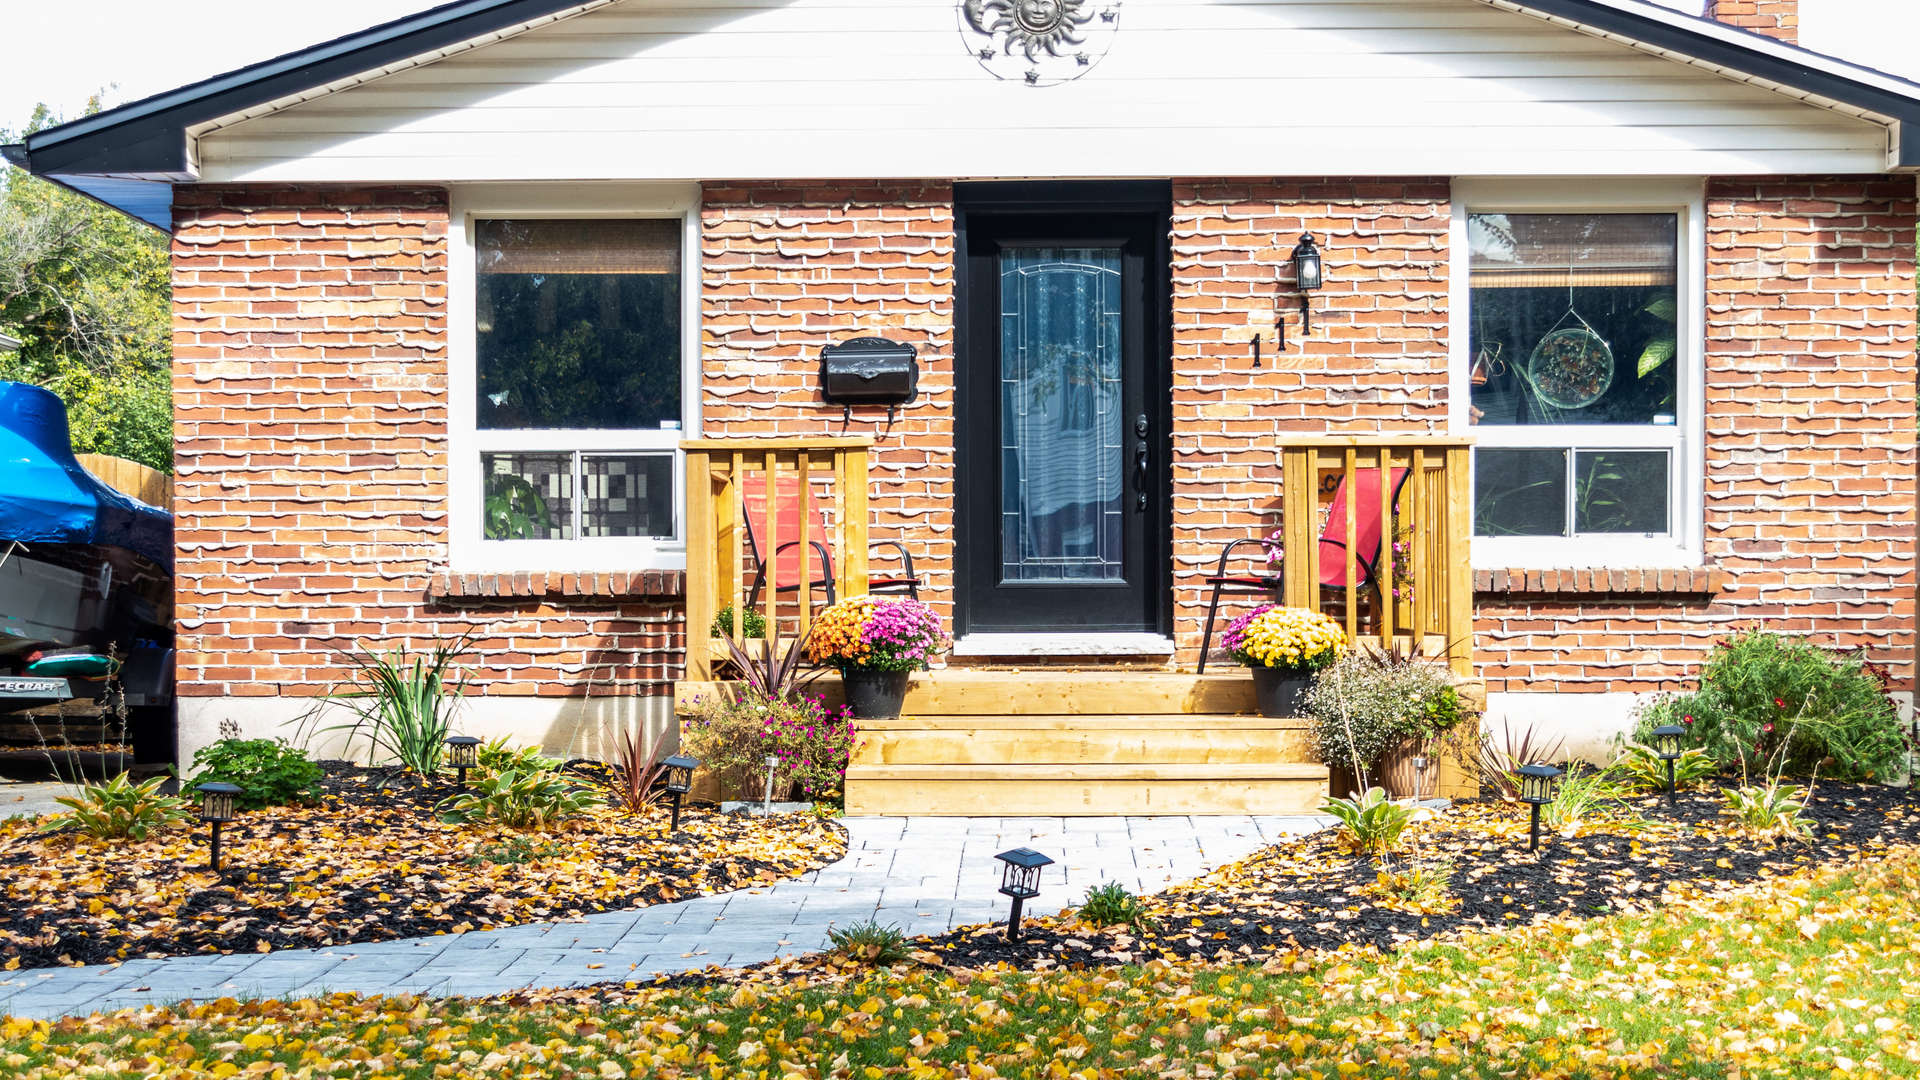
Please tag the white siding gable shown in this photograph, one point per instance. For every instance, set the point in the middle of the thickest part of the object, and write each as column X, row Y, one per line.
column 752, row 89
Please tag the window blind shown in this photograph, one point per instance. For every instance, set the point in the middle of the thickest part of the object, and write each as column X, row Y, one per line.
column 598, row 246
column 1524, row 251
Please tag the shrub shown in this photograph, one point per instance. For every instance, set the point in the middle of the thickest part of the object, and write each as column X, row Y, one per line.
column 1643, row 770
column 1772, row 703
column 755, row 623
column 1285, row 638
column 529, row 801
column 635, row 783
column 121, row 808
column 770, row 671
column 1369, row 823
column 733, row 738
column 402, row 709
column 268, row 771
column 1110, row 904
column 1581, row 794
column 1500, row 760
column 1369, row 702
column 871, row 633
column 1422, row 888
column 869, row 943
column 501, row 755
column 1768, row 810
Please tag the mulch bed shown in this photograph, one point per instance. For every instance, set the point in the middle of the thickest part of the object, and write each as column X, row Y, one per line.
column 371, row 862
column 1310, row 894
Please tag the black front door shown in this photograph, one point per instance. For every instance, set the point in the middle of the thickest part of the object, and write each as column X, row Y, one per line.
column 1063, row 409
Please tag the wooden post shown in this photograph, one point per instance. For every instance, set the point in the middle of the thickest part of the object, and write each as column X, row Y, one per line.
column 770, row 548
column 1418, row 611
column 853, row 559
column 1296, row 525
column 702, row 546
column 1352, row 536
column 1388, row 601
column 804, row 502
column 1459, row 568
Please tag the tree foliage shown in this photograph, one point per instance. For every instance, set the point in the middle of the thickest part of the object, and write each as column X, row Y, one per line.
column 85, row 290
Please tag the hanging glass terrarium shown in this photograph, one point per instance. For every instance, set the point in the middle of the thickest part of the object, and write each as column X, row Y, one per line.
column 1572, row 366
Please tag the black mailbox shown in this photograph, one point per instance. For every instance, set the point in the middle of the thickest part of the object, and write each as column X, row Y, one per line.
column 869, row 371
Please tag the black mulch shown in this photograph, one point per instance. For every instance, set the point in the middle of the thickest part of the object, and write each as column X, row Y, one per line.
column 371, row 862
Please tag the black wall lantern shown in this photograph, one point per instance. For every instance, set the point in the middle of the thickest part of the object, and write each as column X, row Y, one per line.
column 463, row 753
column 1666, row 743
column 1307, row 278
column 1020, row 879
column 216, row 809
column 679, row 782
column 1536, row 790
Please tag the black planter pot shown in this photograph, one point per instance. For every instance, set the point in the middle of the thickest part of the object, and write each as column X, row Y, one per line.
column 1277, row 692
column 875, row 695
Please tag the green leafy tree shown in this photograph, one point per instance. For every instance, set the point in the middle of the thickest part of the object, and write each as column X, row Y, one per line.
column 85, row 290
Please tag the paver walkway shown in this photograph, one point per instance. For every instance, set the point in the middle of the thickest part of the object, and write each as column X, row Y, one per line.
column 925, row 874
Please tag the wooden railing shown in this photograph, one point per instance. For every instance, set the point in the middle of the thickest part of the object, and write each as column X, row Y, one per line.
column 1431, row 520
column 722, row 474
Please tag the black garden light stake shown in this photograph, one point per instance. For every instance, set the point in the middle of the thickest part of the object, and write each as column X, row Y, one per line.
column 216, row 809
column 1666, row 742
column 679, row 782
column 463, row 753
column 1020, row 879
column 1307, row 278
column 1536, row 790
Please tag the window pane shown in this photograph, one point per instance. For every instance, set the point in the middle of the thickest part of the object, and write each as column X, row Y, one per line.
column 1617, row 491
column 578, row 323
column 528, row 496
column 627, row 495
column 1520, row 492
column 1573, row 318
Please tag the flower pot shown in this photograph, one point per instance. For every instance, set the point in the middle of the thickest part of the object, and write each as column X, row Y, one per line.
column 1399, row 776
column 1277, row 692
column 875, row 695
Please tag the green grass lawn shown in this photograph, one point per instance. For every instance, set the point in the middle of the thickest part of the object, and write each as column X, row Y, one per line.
column 1807, row 975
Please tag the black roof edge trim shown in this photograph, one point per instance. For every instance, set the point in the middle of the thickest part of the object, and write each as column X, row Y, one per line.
column 1652, row 31
column 15, row 153
column 149, row 135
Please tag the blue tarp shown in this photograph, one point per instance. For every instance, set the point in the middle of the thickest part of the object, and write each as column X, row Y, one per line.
column 46, row 497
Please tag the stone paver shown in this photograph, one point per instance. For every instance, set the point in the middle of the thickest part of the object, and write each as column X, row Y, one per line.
column 926, row 875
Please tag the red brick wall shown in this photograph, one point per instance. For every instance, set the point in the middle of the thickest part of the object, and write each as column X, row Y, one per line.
column 310, row 389
column 1377, row 359
column 1810, row 450
column 1774, row 18
column 791, row 268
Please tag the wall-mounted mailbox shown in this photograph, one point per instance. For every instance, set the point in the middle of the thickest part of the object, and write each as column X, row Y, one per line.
column 869, row 371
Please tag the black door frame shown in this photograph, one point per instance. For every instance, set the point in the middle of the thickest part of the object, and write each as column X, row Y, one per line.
column 974, row 562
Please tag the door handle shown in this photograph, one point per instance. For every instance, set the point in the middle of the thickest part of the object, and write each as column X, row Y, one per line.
column 1140, row 428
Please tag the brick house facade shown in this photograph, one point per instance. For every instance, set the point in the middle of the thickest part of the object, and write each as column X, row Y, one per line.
column 323, row 327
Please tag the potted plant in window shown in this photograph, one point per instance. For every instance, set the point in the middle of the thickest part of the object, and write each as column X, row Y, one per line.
column 876, row 643
column 1283, row 646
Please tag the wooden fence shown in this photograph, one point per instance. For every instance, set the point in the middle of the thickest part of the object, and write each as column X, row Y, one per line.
column 1420, row 594
column 815, row 478
column 149, row 485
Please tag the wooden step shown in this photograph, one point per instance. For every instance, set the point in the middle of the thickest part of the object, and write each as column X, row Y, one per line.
column 964, row 692
column 1084, row 790
column 1066, row 740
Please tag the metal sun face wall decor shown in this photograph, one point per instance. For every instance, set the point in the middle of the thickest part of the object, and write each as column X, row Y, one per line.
column 1039, row 42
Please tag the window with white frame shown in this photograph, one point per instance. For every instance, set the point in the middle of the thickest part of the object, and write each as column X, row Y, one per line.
column 576, row 380
column 1579, row 385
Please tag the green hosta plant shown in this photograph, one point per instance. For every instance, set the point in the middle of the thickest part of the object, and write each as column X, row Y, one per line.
column 1110, row 904
column 268, row 772
column 501, row 755
column 403, row 708
column 1643, row 770
column 1370, row 823
column 122, row 809
column 1773, row 809
column 528, row 801
column 869, row 943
